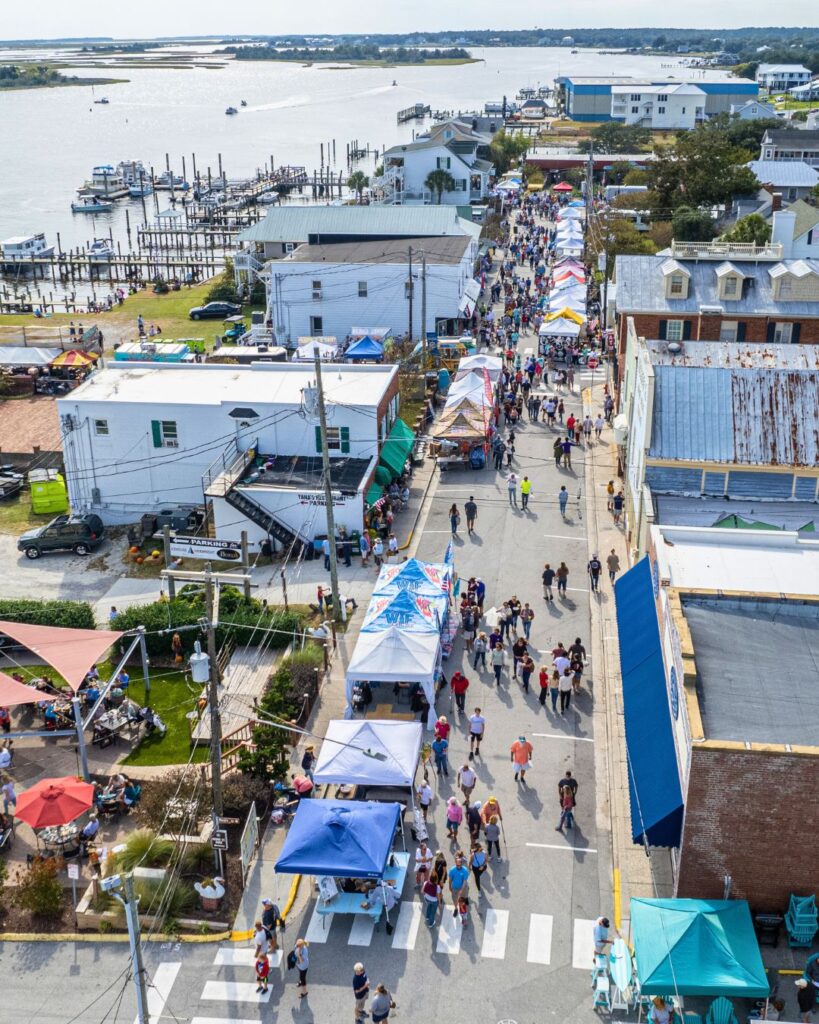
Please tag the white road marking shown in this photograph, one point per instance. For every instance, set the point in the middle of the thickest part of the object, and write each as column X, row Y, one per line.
column 235, row 992
column 231, row 956
column 556, row 846
column 563, row 536
column 221, row 1020
column 495, row 927
column 450, row 932
column 159, row 988
column 539, row 950
column 583, row 944
column 562, row 736
column 406, row 927
column 361, row 933
column 319, row 928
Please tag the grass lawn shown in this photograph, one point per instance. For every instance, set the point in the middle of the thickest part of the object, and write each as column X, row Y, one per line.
column 173, row 695
column 16, row 516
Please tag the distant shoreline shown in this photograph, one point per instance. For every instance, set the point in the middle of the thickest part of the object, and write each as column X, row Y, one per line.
column 10, row 86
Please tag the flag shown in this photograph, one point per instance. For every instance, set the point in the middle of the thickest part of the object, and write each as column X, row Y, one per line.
column 449, row 555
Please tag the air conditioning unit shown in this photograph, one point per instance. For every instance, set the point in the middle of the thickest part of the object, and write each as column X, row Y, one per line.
column 171, row 444
column 317, row 293
column 96, row 496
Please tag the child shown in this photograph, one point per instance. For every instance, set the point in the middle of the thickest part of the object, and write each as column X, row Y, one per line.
column 262, row 972
column 463, row 910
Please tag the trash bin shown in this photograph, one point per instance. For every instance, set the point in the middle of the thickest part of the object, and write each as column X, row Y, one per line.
column 767, row 928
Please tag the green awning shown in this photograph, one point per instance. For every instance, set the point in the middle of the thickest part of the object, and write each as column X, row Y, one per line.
column 374, row 493
column 383, row 476
column 736, row 522
column 397, row 447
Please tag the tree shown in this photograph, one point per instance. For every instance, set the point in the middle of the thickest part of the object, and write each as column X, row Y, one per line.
column 618, row 172
column 617, row 236
column 357, row 182
column 748, row 134
column 636, row 176
column 661, row 234
column 752, row 229
column 690, row 225
column 614, row 137
column 506, row 149
column 440, row 181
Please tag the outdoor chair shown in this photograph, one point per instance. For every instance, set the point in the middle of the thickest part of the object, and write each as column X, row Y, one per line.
column 801, row 920
column 721, row 1011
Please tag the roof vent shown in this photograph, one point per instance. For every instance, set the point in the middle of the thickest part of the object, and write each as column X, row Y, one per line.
column 674, row 347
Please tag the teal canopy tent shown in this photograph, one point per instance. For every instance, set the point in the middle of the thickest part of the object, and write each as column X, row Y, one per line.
column 697, row 947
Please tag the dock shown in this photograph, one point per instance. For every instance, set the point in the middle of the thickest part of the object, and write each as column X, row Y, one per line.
column 416, row 111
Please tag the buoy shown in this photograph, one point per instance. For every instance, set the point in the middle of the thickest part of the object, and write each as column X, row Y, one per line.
column 140, row 560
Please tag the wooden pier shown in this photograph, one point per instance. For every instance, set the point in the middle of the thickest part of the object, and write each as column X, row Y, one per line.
column 416, row 111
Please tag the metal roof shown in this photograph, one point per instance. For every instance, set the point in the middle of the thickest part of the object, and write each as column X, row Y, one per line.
column 705, row 511
column 298, row 223
column 437, row 250
column 744, row 355
column 800, row 137
column 641, row 289
column 757, row 416
column 787, row 173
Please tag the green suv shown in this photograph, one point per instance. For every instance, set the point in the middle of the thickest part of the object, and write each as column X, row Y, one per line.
column 79, row 534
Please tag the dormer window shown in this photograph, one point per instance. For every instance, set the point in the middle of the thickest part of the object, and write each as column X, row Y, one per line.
column 677, row 279
column 677, row 285
column 730, row 288
column 729, row 281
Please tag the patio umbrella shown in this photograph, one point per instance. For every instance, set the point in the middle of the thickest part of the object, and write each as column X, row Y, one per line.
column 563, row 186
column 55, row 801
column 75, row 358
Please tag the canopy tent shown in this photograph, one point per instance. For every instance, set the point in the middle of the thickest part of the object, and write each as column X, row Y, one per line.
column 19, row 355
column 365, row 348
column 697, row 948
column 569, row 273
column 71, row 652
column 472, row 384
column 419, row 577
column 566, row 284
column 397, row 448
column 566, row 314
column 75, row 358
column 575, row 202
column 568, row 235
column 395, row 656
column 563, row 186
column 655, row 793
column 560, row 327
column 469, row 299
column 339, row 838
column 568, row 262
column 12, row 692
column 574, row 302
column 383, row 477
column 492, row 364
column 376, row 333
column 306, row 350
column 569, row 213
column 415, row 613
column 348, row 753
column 461, row 424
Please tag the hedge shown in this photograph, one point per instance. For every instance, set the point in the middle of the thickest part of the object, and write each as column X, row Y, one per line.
column 72, row 614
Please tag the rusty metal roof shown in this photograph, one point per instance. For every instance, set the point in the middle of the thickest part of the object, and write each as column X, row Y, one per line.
column 758, row 416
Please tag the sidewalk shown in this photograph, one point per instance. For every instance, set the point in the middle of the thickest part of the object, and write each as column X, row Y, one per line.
column 635, row 873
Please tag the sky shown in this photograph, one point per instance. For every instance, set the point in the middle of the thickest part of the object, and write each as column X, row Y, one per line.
column 149, row 18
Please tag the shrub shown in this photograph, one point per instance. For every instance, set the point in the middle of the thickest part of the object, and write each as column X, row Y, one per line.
column 71, row 614
column 196, row 859
column 143, row 849
column 223, row 288
column 182, row 784
column 240, row 791
column 39, row 890
column 167, row 900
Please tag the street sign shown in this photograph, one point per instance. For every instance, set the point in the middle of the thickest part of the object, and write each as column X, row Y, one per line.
column 592, row 363
column 207, row 548
column 73, row 870
column 219, row 839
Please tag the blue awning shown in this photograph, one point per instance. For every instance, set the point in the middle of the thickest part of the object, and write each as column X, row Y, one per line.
column 653, row 775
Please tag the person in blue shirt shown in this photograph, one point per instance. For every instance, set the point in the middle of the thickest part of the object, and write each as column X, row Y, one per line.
column 458, row 878
column 92, row 694
column 439, row 749
column 50, row 715
column 123, row 679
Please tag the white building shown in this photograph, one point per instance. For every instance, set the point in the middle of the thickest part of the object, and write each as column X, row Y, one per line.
column 781, row 77
column 753, row 110
column 246, row 440
column 327, row 289
column 453, row 146
column 658, row 106
column 797, row 231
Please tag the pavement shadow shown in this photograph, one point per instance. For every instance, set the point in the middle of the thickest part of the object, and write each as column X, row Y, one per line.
column 528, row 798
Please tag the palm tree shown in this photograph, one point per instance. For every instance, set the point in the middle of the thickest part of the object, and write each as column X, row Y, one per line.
column 440, row 181
column 357, row 182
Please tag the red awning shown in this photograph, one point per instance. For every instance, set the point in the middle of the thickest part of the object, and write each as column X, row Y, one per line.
column 12, row 692
column 563, row 186
column 71, row 652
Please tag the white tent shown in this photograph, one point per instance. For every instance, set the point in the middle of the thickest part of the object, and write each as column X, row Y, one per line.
column 347, row 753
column 570, row 213
column 306, row 350
column 560, row 327
column 394, row 656
column 492, row 364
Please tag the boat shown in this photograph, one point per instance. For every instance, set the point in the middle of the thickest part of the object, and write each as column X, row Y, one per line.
column 143, row 189
column 102, row 101
column 168, row 180
column 394, row 82
column 574, row 51
column 231, row 110
column 91, row 204
column 133, row 172
column 243, row 103
column 105, row 181
column 269, row 198
column 100, row 249
column 21, row 247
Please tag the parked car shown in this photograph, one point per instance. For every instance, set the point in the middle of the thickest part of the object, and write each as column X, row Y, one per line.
column 11, row 483
column 215, row 311
column 79, row 534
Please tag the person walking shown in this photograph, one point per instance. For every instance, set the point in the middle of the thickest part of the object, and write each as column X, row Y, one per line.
column 325, row 550
column 262, row 972
column 594, row 568
column 458, row 880
column 565, row 687
column 554, row 689
column 566, row 810
column 424, row 798
column 527, row 667
column 512, row 489
column 491, row 808
column 473, row 820
column 543, row 680
column 498, row 659
column 527, row 616
column 439, row 750
column 271, row 916
column 617, row 503
column 557, row 451
column 492, row 833
column 460, row 684
column 598, row 426
column 392, row 547
column 570, row 781
column 805, row 999
column 8, row 793
column 381, row 1004
column 432, row 895
column 613, row 564
column 525, row 491
column 361, row 989
column 566, row 451
column 378, row 552
column 466, row 780
column 454, row 817
column 423, row 863
column 302, row 952
column 563, row 500
column 548, row 578
column 364, row 548
column 471, row 510
column 562, row 578
column 477, row 730
column 521, row 757
column 454, row 519
column 479, row 649
column 477, row 864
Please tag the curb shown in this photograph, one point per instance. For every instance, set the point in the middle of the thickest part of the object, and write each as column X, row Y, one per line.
column 421, row 508
column 243, row 936
column 99, row 937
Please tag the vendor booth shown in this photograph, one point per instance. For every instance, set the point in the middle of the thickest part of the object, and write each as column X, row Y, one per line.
column 469, row 364
column 347, row 846
column 413, row 612
column 306, row 349
column 560, row 327
column 365, row 348
column 394, row 655
column 369, row 752
column 419, row 577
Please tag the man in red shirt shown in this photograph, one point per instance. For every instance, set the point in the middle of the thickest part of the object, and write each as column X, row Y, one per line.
column 459, row 684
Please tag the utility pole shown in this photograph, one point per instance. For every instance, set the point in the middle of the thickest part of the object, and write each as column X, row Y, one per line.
column 409, row 290
column 423, row 311
column 589, row 182
column 338, row 611
column 122, row 889
column 213, row 700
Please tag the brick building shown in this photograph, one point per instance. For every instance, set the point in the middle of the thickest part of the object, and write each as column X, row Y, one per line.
column 722, row 732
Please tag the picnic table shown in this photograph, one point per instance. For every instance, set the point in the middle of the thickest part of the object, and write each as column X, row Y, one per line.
column 351, row 902
column 59, row 835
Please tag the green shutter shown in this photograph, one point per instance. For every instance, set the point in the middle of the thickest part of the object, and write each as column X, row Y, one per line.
column 345, row 440
column 318, row 439
column 156, row 431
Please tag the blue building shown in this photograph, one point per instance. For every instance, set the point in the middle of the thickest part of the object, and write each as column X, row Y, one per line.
column 589, row 98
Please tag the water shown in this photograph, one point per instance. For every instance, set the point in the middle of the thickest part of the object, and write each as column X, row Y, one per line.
column 53, row 137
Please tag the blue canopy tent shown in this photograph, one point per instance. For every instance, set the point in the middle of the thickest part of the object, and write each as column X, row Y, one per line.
column 340, row 839
column 414, row 613
column 697, row 948
column 424, row 578
column 653, row 775
column 365, row 348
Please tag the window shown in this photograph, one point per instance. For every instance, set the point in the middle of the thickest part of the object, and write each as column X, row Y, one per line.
column 407, row 289
column 785, row 287
column 101, row 428
column 683, row 109
column 635, row 97
column 728, row 330
column 677, row 286
column 729, row 287
column 635, row 110
column 165, row 433
column 660, row 110
column 338, row 440
column 316, row 289
column 362, row 289
column 674, row 330
column 333, row 439
column 663, row 97
column 316, row 326
column 443, row 163
column 782, row 334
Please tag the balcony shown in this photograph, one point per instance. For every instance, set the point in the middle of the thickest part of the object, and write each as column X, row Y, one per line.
column 725, row 250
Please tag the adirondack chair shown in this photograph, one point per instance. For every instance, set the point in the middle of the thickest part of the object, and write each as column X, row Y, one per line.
column 801, row 920
column 721, row 1011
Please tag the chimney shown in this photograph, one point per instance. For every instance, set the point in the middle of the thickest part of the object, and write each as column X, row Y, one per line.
column 782, row 231
column 776, row 201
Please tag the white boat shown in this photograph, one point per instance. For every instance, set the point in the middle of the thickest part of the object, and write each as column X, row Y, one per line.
column 167, row 180
column 269, row 198
column 91, row 204
column 101, row 249
column 20, row 247
column 105, row 181
column 231, row 110
column 138, row 191
column 244, row 103
column 133, row 171
column 102, row 101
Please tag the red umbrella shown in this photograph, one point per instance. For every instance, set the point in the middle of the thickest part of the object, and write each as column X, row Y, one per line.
column 54, row 801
